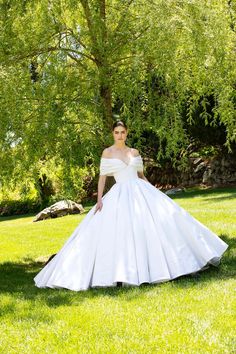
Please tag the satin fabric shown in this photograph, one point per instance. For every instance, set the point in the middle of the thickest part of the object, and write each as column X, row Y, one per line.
column 140, row 236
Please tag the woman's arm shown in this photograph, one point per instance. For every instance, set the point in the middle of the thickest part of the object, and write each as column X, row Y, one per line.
column 101, row 185
column 141, row 175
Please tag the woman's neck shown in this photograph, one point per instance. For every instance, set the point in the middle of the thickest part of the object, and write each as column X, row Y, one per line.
column 120, row 146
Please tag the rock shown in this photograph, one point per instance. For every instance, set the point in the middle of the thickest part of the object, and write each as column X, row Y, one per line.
column 218, row 170
column 199, row 167
column 174, row 191
column 197, row 160
column 231, row 179
column 61, row 208
column 206, row 176
column 225, row 163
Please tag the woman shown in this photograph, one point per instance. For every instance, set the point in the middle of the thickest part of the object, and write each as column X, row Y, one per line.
column 134, row 234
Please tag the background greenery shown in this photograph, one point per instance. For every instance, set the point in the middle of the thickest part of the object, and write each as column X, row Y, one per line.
column 69, row 68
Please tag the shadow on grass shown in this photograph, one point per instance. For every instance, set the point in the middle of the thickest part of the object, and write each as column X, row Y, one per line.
column 208, row 193
column 17, row 281
column 220, row 199
column 189, row 193
column 32, row 215
column 14, row 217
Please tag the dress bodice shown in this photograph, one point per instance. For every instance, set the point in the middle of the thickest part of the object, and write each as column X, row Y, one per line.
column 120, row 169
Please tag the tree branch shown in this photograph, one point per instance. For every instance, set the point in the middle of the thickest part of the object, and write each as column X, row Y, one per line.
column 123, row 16
column 232, row 24
column 128, row 57
column 93, row 36
column 38, row 51
column 77, row 61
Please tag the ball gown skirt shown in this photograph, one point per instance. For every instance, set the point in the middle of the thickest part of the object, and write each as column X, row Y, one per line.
column 140, row 236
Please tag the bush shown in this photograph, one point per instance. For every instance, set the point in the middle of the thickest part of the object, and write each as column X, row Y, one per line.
column 19, row 207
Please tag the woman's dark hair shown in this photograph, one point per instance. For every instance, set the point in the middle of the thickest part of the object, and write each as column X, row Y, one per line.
column 119, row 123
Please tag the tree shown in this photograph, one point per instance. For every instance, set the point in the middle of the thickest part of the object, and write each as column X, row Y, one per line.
column 68, row 66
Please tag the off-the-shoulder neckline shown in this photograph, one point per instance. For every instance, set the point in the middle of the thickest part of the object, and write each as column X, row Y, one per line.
column 114, row 158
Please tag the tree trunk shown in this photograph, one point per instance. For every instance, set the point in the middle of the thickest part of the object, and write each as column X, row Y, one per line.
column 106, row 97
column 99, row 51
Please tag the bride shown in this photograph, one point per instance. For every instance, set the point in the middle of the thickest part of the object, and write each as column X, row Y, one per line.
column 134, row 234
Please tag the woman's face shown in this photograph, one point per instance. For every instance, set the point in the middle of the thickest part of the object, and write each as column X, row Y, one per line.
column 119, row 134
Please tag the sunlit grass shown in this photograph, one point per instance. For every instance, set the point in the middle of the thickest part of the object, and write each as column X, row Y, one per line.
column 186, row 315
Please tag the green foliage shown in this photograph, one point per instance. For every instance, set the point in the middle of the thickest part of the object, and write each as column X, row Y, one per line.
column 19, row 207
column 46, row 183
column 67, row 66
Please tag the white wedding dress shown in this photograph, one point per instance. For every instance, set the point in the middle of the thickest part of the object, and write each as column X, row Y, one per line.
column 140, row 236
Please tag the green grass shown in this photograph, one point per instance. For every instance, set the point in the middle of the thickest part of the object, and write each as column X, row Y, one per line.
column 185, row 315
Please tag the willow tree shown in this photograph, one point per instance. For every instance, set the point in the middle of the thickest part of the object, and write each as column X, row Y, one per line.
column 186, row 56
column 69, row 66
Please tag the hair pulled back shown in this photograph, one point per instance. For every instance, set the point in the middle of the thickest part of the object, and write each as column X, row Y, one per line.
column 119, row 123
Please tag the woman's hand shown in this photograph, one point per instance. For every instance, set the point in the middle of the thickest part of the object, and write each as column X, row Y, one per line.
column 99, row 206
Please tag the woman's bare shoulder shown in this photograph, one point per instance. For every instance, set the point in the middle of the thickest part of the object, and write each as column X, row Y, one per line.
column 135, row 152
column 106, row 152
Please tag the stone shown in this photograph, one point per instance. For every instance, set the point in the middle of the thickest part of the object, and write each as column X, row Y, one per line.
column 197, row 160
column 174, row 191
column 61, row 208
column 200, row 167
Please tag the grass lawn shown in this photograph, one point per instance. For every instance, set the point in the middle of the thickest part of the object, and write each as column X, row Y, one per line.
column 185, row 315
